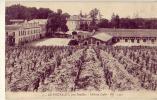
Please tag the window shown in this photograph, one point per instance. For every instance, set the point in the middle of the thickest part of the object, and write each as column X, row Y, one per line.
column 126, row 40
column 118, row 39
column 19, row 33
column 132, row 40
column 79, row 37
column 22, row 32
column 144, row 40
column 97, row 43
column 13, row 33
column 85, row 43
column 6, row 33
column 152, row 40
column 19, row 40
column 31, row 31
column 138, row 41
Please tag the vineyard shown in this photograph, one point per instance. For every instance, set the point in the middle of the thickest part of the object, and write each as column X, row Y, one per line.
column 81, row 68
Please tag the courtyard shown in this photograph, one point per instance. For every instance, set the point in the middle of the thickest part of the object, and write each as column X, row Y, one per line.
column 50, row 42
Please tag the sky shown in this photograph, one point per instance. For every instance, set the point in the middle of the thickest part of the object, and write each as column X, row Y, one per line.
column 123, row 9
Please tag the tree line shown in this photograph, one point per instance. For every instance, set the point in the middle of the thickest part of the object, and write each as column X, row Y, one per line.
column 128, row 23
column 21, row 12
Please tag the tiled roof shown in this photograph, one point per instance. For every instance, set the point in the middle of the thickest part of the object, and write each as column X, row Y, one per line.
column 12, row 27
column 102, row 36
column 78, row 18
column 85, row 34
column 17, row 20
column 130, row 32
column 74, row 17
column 40, row 21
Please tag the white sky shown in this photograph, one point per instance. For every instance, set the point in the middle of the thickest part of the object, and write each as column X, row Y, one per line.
column 123, row 9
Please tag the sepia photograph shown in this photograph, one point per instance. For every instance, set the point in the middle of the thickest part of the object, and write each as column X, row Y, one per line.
column 78, row 46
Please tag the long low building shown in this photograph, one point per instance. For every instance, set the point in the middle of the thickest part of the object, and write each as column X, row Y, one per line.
column 132, row 37
column 122, row 37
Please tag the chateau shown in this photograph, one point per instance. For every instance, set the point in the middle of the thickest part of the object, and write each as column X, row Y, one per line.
column 75, row 22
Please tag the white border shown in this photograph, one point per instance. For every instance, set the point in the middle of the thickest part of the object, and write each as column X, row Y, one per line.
column 2, row 44
column 2, row 50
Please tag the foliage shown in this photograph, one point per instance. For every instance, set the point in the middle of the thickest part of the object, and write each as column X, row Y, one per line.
column 128, row 23
column 21, row 12
column 18, row 11
column 56, row 21
column 75, row 68
column 103, row 23
column 93, row 13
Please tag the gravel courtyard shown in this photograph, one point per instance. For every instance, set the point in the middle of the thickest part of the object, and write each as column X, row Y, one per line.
column 51, row 42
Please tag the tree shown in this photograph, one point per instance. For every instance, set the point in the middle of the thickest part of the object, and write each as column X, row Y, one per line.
column 33, row 12
column 52, row 24
column 7, row 19
column 56, row 20
column 64, row 17
column 104, row 23
column 115, row 20
column 64, row 28
column 43, row 13
column 93, row 14
column 16, row 12
column 27, row 13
